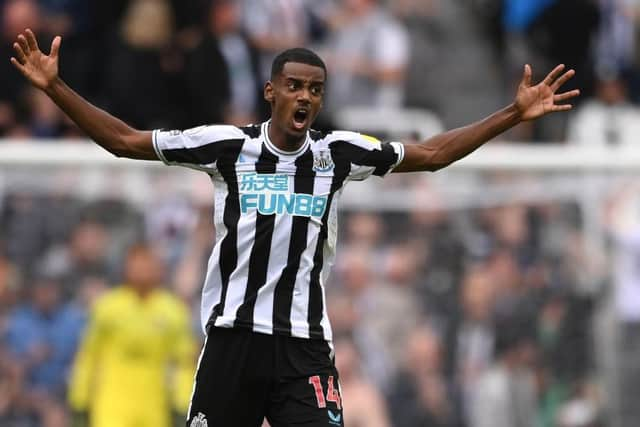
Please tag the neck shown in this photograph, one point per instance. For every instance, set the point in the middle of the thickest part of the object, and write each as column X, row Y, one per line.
column 142, row 292
column 284, row 141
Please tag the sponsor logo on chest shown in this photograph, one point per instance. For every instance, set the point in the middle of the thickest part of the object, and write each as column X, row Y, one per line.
column 271, row 194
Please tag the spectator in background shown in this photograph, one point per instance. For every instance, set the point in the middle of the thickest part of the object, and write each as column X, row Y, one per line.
column 137, row 332
column 140, row 67
column 273, row 26
column 475, row 335
column 364, row 403
column 420, row 395
column 608, row 120
column 15, row 15
column 505, row 395
column 222, row 72
column 46, row 119
column 367, row 58
column 359, row 282
column 73, row 20
column 42, row 335
column 83, row 256
column 394, row 307
column 615, row 46
column 549, row 39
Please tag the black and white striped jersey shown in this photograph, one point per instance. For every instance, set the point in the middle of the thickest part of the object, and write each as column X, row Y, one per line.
column 275, row 215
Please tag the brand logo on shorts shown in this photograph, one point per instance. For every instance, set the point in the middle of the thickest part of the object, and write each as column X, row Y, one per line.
column 199, row 421
column 335, row 419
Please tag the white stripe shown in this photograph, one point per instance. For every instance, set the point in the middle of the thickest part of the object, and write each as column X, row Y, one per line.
column 212, row 288
column 197, row 137
column 300, row 301
column 329, row 254
column 154, row 142
column 246, row 234
column 263, row 310
column 355, row 138
column 398, row 147
column 237, row 286
column 300, row 308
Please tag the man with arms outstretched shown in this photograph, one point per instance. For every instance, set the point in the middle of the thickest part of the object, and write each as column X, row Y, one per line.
column 268, row 349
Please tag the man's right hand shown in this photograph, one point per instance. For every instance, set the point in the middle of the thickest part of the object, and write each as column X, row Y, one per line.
column 40, row 69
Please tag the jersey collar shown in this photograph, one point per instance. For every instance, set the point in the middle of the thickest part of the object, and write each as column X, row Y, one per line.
column 275, row 150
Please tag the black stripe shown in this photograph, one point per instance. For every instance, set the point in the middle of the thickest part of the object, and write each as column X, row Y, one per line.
column 283, row 298
column 317, row 135
column 252, row 131
column 382, row 159
column 202, row 155
column 229, row 153
column 340, row 173
column 259, row 258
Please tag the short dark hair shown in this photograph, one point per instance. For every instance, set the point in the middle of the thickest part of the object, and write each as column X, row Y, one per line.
column 297, row 54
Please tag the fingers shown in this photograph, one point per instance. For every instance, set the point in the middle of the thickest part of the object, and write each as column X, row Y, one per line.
column 22, row 57
column 567, row 95
column 563, row 107
column 553, row 75
column 562, row 80
column 31, row 40
column 18, row 65
column 526, row 76
column 55, row 47
column 23, row 44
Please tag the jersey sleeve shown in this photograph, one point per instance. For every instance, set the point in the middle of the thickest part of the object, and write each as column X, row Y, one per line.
column 367, row 155
column 197, row 148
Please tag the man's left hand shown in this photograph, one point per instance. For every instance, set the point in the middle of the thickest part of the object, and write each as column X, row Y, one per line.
column 535, row 101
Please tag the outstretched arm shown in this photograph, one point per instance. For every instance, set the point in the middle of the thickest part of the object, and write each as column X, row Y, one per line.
column 109, row 132
column 531, row 102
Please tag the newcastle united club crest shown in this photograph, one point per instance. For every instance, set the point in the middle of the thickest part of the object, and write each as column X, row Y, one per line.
column 322, row 161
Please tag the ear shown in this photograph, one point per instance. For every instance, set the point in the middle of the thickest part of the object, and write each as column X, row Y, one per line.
column 268, row 92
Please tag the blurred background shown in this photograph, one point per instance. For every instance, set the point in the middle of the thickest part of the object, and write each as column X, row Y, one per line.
column 503, row 291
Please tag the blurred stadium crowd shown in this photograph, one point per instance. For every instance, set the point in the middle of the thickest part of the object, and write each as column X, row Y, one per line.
column 177, row 64
column 471, row 318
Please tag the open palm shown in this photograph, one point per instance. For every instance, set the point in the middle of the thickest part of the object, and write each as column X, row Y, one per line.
column 40, row 69
column 536, row 101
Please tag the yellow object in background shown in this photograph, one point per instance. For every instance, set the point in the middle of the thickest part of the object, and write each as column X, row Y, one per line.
column 137, row 360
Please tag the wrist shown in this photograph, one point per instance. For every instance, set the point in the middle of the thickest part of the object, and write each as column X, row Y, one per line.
column 513, row 113
column 53, row 86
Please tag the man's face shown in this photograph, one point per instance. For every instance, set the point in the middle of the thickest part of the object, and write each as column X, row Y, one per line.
column 295, row 96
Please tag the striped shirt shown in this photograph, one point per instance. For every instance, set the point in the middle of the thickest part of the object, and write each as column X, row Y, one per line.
column 275, row 214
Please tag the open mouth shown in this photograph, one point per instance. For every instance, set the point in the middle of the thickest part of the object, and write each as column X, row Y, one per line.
column 300, row 118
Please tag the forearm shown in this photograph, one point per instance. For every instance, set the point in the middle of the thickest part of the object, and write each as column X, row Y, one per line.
column 448, row 147
column 106, row 130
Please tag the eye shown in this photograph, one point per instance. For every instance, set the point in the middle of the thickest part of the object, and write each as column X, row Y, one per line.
column 292, row 85
column 316, row 90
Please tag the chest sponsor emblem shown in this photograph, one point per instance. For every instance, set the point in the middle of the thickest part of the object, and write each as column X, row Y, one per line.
column 322, row 161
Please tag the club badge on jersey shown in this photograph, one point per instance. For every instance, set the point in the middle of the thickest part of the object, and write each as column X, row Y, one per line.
column 322, row 161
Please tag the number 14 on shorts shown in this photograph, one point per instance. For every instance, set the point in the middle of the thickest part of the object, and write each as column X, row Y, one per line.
column 332, row 393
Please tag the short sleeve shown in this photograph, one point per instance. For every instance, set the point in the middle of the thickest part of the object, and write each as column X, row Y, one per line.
column 197, row 148
column 368, row 156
